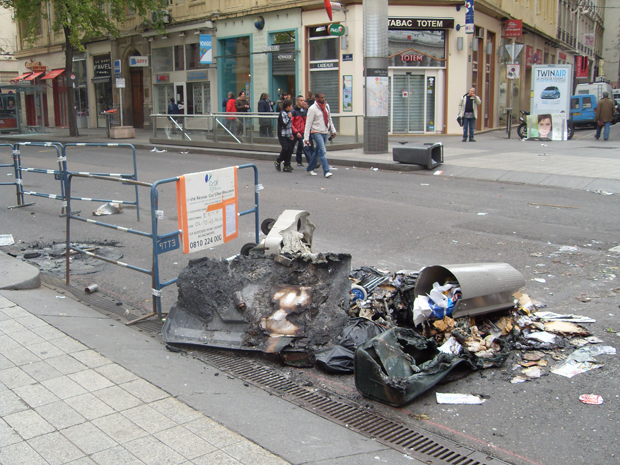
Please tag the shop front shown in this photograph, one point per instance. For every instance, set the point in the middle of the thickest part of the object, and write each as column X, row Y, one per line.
column 102, row 82
column 259, row 55
column 183, row 72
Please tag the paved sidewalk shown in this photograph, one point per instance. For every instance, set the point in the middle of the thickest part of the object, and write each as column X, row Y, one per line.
column 63, row 403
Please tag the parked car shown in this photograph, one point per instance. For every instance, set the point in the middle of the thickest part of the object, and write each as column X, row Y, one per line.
column 583, row 110
column 617, row 101
column 551, row 92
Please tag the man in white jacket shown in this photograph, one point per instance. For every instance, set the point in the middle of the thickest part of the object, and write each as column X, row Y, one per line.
column 318, row 124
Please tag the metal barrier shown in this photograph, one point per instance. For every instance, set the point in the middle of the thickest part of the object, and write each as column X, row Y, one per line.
column 131, row 176
column 16, row 173
column 59, row 174
column 160, row 243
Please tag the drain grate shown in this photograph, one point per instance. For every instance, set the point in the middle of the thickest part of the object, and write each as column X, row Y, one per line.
column 420, row 444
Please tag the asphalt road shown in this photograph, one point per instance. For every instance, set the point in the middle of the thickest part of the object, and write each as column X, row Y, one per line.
column 393, row 221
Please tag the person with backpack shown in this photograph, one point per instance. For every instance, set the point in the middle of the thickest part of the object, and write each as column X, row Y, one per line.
column 285, row 136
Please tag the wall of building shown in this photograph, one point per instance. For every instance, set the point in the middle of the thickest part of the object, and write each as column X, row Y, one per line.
column 611, row 46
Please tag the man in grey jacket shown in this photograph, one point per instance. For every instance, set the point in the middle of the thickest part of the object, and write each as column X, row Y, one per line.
column 468, row 110
column 318, row 124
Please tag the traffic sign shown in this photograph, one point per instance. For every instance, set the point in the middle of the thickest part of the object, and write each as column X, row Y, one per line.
column 117, row 68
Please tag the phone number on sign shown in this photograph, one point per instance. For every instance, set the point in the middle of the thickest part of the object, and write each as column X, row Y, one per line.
column 203, row 242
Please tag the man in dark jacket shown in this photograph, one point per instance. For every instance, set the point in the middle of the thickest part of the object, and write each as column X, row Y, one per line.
column 605, row 114
column 299, row 126
column 265, row 124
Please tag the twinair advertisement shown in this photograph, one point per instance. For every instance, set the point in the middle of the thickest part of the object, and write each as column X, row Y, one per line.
column 551, row 89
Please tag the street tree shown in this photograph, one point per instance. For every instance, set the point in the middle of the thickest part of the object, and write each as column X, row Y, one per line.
column 80, row 21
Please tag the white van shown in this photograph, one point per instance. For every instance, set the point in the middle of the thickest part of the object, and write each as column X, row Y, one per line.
column 595, row 88
column 616, row 94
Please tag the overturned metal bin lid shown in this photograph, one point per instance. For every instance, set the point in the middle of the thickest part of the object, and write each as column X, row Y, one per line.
column 485, row 287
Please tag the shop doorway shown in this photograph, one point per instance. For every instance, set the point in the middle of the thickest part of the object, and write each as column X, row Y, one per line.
column 137, row 97
column 180, row 97
column 489, row 81
column 408, row 103
column 61, row 113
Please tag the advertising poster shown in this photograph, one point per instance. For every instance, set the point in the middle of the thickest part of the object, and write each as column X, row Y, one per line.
column 208, row 208
column 551, row 89
column 529, row 56
column 469, row 16
column 377, row 92
column 547, row 126
column 206, row 49
column 347, row 93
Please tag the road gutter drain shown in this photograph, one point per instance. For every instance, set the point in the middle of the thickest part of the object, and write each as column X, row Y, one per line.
column 420, row 444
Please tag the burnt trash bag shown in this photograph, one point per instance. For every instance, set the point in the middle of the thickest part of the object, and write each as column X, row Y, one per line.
column 400, row 365
column 339, row 358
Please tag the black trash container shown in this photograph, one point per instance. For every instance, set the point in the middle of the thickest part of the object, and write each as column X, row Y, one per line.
column 427, row 155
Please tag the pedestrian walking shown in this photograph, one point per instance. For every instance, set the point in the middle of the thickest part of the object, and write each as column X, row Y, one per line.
column 264, row 124
column 299, row 126
column 284, row 96
column 230, row 108
column 468, row 111
column 309, row 98
column 285, row 136
column 605, row 114
column 318, row 125
column 242, row 106
column 173, row 109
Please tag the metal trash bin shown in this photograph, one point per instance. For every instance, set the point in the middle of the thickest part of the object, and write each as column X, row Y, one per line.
column 485, row 287
column 429, row 155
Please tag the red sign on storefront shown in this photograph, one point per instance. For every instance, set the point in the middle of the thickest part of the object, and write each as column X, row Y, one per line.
column 581, row 66
column 412, row 58
column 529, row 56
column 562, row 56
column 514, row 28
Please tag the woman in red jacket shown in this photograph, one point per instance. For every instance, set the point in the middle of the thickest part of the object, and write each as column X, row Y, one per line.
column 230, row 108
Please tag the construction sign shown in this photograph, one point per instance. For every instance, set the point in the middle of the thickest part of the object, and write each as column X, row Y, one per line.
column 208, row 208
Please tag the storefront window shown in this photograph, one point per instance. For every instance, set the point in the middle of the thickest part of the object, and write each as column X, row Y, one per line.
column 163, row 93
column 179, row 58
column 235, row 65
column 162, row 59
column 80, row 91
column 105, row 100
column 322, row 45
column 416, row 48
column 198, row 98
column 192, row 57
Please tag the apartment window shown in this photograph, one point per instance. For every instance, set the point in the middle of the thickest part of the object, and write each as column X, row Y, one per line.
column 179, row 58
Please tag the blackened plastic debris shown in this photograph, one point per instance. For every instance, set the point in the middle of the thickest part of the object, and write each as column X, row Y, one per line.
column 400, row 365
column 339, row 358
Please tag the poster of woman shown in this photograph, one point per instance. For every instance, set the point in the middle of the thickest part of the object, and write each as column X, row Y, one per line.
column 546, row 126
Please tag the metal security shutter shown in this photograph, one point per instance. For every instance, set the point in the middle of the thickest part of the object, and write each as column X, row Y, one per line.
column 408, row 113
column 417, row 90
column 327, row 82
column 283, row 61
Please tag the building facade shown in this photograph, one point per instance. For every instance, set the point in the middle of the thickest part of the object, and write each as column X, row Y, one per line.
column 271, row 47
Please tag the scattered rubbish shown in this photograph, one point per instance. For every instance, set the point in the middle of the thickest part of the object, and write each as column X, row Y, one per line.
column 568, row 248
column 519, row 379
column 541, row 336
column 539, row 280
column 549, row 205
column 424, row 184
column 591, row 399
column 110, row 208
column 551, row 316
column 602, row 192
column 532, row 372
column 458, row 399
column 29, row 255
column 566, row 328
column 437, row 173
column 340, row 358
column 91, row 289
column 6, row 239
column 582, row 360
column 184, row 153
column 615, row 249
column 374, row 169
column 533, row 356
column 155, row 149
column 594, row 340
column 583, row 299
column 481, row 214
column 61, row 297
